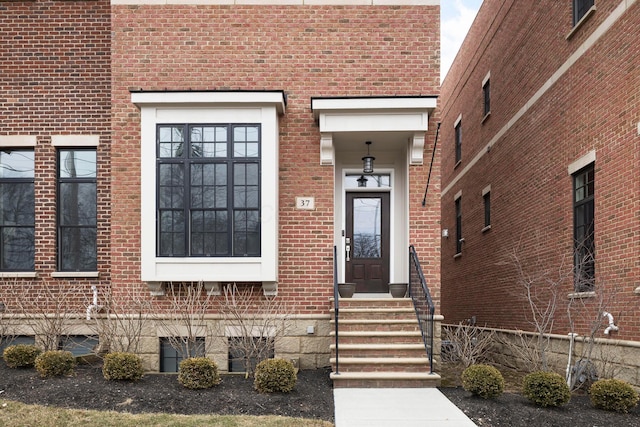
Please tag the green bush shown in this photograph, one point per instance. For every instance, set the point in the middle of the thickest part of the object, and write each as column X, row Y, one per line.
column 198, row 372
column 483, row 380
column 21, row 355
column 275, row 375
column 122, row 366
column 613, row 395
column 546, row 389
column 55, row 363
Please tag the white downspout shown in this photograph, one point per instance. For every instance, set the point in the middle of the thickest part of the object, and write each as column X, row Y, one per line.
column 612, row 326
column 572, row 337
column 93, row 306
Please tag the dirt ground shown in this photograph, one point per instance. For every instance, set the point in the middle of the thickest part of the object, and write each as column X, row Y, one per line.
column 311, row 398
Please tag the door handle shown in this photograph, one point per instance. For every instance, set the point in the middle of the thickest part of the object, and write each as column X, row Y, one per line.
column 347, row 249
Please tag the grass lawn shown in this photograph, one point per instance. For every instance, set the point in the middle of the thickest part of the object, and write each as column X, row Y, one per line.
column 15, row 414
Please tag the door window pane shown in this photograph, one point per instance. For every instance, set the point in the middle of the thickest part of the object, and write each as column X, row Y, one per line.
column 367, row 225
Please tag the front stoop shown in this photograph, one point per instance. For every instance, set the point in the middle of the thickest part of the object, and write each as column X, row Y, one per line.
column 380, row 346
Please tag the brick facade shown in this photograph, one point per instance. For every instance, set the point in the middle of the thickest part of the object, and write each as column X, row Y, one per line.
column 71, row 68
column 559, row 95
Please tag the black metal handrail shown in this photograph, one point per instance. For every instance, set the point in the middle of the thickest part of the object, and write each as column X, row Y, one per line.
column 422, row 302
column 336, row 303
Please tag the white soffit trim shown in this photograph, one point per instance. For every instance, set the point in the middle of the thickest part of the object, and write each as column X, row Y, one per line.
column 220, row 98
column 386, row 114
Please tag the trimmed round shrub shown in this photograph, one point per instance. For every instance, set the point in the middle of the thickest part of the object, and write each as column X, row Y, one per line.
column 275, row 375
column 198, row 372
column 546, row 389
column 21, row 355
column 483, row 380
column 122, row 366
column 613, row 395
column 55, row 363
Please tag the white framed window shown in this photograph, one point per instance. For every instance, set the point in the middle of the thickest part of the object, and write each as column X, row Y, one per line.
column 163, row 112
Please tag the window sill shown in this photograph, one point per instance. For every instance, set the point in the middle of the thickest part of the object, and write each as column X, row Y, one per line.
column 458, row 163
column 485, row 229
column 75, row 274
column 18, row 274
column 582, row 20
column 458, row 255
column 486, row 117
column 580, row 295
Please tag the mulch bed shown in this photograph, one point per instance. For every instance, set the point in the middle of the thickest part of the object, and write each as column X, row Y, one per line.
column 312, row 396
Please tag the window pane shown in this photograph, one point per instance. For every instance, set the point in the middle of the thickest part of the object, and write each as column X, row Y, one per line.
column 77, row 204
column 367, row 225
column 16, row 164
column 170, row 186
column 78, row 249
column 18, row 204
column 18, row 248
column 77, row 164
column 171, row 141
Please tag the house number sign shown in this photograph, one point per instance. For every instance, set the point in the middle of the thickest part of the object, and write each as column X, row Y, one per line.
column 306, row 203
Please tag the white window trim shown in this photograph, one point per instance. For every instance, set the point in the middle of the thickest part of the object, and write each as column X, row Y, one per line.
column 18, row 140
column 210, row 107
column 75, row 140
column 582, row 162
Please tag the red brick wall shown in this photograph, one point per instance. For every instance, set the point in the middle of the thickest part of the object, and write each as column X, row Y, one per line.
column 305, row 51
column 593, row 106
column 55, row 79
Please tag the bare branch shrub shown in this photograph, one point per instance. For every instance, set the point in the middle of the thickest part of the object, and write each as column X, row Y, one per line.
column 520, row 347
column 540, row 289
column 257, row 322
column 47, row 308
column 184, row 321
column 468, row 344
column 119, row 321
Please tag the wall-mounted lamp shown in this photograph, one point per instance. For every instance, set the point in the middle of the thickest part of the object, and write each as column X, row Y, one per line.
column 362, row 181
column 445, row 232
column 367, row 161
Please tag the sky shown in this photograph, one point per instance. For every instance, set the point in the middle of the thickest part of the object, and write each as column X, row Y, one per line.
column 456, row 18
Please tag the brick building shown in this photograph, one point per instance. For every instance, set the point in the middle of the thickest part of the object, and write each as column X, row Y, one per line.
column 225, row 142
column 540, row 134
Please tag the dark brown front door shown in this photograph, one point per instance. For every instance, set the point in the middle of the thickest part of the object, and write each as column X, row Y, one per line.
column 367, row 237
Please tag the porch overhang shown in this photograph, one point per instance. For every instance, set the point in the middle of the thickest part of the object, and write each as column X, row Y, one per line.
column 408, row 115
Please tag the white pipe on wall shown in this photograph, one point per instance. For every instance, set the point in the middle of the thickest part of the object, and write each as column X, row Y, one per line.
column 93, row 306
column 612, row 326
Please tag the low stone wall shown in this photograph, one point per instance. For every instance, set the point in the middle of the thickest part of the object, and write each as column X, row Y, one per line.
column 303, row 339
column 611, row 358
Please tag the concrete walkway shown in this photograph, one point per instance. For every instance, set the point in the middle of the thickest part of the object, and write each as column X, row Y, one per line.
column 397, row 407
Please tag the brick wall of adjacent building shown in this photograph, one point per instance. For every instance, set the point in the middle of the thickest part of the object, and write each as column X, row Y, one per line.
column 523, row 149
column 306, row 51
column 55, row 79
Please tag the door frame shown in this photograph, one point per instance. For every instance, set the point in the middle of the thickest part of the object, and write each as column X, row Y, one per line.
column 341, row 221
column 384, row 258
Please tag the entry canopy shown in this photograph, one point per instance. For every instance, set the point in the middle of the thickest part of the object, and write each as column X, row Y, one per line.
column 401, row 115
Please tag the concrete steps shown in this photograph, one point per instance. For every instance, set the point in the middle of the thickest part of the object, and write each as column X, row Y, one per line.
column 380, row 345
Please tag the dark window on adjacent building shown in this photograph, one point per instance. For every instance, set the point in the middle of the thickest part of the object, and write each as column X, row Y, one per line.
column 17, row 223
column 583, row 226
column 458, row 135
column 580, row 8
column 77, row 215
column 486, row 95
column 208, row 190
column 173, row 351
column 459, row 239
column 487, row 208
